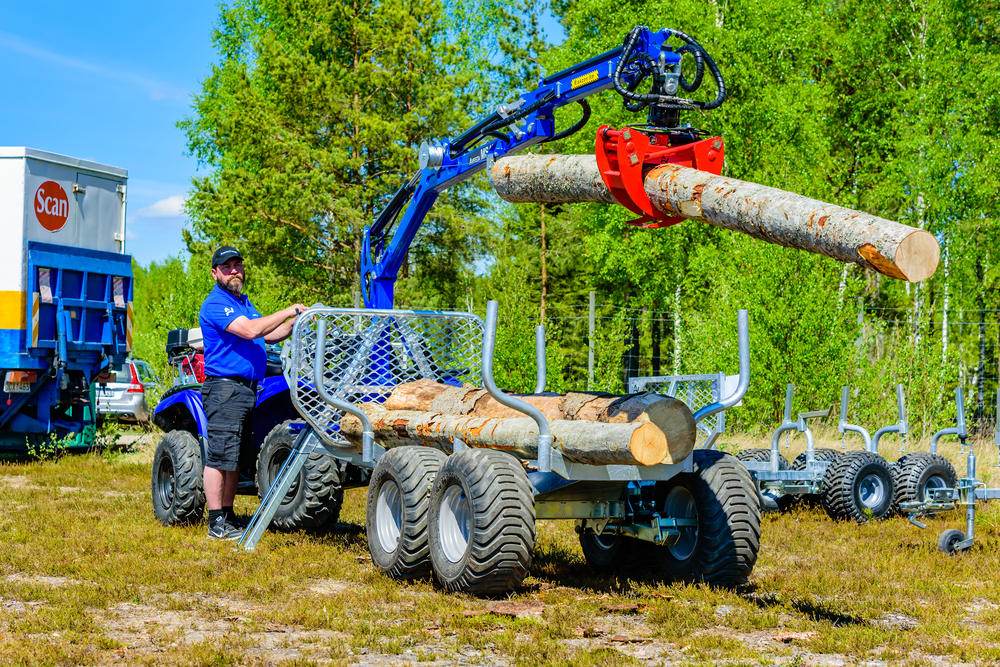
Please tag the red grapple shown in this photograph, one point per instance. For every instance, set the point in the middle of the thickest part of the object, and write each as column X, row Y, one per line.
column 625, row 156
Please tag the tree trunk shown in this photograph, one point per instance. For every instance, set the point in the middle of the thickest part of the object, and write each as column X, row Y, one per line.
column 672, row 417
column 768, row 214
column 581, row 442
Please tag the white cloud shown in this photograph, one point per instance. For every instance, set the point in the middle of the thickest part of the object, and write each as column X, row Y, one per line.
column 171, row 207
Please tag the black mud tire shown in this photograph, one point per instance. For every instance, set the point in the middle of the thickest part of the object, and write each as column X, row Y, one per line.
column 770, row 501
column 177, row 487
column 609, row 554
column 482, row 523
column 914, row 473
column 819, row 454
column 858, row 486
column 314, row 498
column 399, row 496
column 723, row 550
column 948, row 541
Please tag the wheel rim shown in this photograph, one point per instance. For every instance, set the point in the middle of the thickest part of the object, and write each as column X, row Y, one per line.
column 274, row 467
column 680, row 504
column 165, row 483
column 604, row 542
column 388, row 516
column 454, row 523
column 935, row 482
column 871, row 491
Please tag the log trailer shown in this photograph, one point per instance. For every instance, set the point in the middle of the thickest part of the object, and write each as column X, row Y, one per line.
column 459, row 494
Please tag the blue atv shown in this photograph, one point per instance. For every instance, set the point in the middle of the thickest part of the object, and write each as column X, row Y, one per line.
column 178, row 494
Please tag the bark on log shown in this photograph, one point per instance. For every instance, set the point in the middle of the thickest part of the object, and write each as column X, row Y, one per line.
column 670, row 415
column 640, row 443
column 768, row 214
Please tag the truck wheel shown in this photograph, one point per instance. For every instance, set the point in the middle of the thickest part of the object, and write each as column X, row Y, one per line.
column 770, row 500
column 482, row 523
column 858, row 486
column 397, row 509
column 914, row 474
column 722, row 549
column 315, row 496
column 613, row 554
column 177, row 489
column 948, row 541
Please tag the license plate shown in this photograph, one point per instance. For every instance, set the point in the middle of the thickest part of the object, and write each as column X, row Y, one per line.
column 16, row 387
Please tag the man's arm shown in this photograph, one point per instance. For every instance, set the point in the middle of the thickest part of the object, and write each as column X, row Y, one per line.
column 283, row 331
column 249, row 329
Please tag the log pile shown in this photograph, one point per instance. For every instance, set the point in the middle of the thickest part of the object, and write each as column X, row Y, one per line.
column 768, row 214
column 595, row 429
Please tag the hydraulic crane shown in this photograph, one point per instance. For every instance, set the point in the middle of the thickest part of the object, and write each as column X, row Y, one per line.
column 622, row 155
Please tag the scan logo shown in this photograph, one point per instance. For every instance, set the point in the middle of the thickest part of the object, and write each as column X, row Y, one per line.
column 51, row 206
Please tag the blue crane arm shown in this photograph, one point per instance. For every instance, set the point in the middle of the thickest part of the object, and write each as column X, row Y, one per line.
column 528, row 121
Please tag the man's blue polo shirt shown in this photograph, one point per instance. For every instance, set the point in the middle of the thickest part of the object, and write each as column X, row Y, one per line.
column 227, row 354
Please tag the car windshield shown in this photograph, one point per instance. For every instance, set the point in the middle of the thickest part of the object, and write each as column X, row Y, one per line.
column 123, row 375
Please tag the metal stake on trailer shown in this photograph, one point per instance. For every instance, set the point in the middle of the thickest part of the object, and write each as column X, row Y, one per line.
column 965, row 494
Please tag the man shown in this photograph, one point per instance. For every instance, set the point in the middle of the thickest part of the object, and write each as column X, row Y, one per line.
column 234, row 334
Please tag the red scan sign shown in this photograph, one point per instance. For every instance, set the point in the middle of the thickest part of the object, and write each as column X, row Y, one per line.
column 51, row 206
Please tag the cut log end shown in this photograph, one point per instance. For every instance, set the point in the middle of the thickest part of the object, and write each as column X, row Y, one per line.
column 918, row 255
column 648, row 444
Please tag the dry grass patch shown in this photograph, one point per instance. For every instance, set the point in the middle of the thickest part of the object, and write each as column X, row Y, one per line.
column 88, row 577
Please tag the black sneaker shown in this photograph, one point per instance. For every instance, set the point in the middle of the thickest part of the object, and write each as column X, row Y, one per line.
column 236, row 523
column 220, row 529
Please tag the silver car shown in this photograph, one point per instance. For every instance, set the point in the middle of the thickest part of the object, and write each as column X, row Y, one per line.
column 124, row 395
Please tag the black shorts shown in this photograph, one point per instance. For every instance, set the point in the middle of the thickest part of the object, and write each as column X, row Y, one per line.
column 229, row 410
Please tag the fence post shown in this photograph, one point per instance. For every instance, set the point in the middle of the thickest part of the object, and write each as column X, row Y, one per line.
column 590, row 339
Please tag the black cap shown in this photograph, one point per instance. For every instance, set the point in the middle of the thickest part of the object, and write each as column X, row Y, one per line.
column 224, row 254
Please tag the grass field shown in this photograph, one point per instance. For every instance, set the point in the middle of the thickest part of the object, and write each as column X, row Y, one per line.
column 88, row 577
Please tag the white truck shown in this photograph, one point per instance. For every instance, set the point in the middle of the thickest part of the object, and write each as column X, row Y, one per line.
column 65, row 292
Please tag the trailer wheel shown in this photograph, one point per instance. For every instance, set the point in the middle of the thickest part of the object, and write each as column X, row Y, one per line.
column 176, row 487
column 948, row 541
column 858, row 486
column 397, row 510
column 315, row 496
column 610, row 553
column 482, row 523
column 915, row 474
column 819, row 454
column 722, row 549
column 770, row 500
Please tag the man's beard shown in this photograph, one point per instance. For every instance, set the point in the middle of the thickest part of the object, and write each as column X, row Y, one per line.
column 234, row 284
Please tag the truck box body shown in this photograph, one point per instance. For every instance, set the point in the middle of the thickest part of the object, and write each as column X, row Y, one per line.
column 65, row 287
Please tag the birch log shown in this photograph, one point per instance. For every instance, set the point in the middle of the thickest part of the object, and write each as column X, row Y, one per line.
column 670, row 415
column 768, row 214
column 578, row 441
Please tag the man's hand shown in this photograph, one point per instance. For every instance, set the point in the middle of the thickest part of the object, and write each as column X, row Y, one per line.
column 269, row 326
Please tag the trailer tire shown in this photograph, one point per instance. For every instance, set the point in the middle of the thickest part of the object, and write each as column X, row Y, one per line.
column 858, row 486
column 482, row 523
column 314, row 498
column 915, row 473
column 819, row 454
column 948, row 541
column 176, row 487
column 397, row 510
column 722, row 497
column 610, row 553
column 770, row 500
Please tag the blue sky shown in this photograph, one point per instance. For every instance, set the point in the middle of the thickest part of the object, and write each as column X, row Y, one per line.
column 108, row 81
